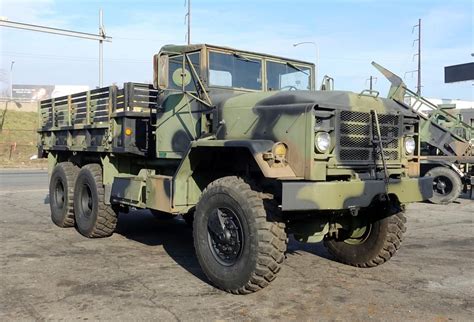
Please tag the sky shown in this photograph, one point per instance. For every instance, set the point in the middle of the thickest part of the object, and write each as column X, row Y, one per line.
column 350, row 35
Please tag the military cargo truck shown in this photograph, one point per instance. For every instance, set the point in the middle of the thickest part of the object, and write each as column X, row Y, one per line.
column 242, row 146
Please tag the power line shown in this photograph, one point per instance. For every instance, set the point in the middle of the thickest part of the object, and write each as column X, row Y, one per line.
column 101, row 37
column 70, row 58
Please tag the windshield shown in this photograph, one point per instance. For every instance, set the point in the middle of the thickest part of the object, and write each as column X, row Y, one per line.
column 232, row 70
column 287, row 76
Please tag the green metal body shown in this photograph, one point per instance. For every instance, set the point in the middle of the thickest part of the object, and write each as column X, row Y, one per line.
column 161, row 146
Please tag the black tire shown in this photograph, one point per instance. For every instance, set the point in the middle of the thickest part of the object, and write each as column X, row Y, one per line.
column 378, row 245
column 161, row 215
column 447, row 185
column 61, row 194
column 93, row 217
column 258, row 242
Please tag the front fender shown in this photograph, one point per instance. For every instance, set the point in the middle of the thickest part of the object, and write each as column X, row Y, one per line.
column 256, row 148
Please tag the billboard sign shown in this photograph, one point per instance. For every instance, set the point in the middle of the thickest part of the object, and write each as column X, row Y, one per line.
column 41, row 92
column 459, row 73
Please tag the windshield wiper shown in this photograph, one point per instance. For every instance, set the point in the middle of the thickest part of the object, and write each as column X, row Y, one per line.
column 297, row 68
column 238, row 56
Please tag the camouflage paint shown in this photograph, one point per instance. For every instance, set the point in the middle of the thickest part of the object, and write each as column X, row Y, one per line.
column 189, row 125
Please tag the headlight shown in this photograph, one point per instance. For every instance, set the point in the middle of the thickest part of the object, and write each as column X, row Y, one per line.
column 279, row 150
column 322, row 142
column 410, row 145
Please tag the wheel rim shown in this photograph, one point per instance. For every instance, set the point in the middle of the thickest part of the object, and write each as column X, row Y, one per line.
column 225, row 236
column 359, row 235
column 59, row 194
column 360, row 231
column 442, row 185
column 86, row 201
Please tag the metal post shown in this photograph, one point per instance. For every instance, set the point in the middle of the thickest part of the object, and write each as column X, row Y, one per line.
column 11, row 79
column 372, row 80
column 316, row 70
column 317, row 60
column 418, row 91
column 188, row 16
column 101, row 49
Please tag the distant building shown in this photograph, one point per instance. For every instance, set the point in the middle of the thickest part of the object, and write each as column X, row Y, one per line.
column 26, row 92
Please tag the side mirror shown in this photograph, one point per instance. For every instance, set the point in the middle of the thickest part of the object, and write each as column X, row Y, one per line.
column 160, row 66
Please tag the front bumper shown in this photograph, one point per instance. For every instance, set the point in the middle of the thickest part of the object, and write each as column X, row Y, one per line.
column 338, row 195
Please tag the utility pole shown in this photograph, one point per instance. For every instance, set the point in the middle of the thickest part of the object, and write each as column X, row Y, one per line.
column 101, row 49
column 418, row 86
column 418, row 53
column 371, row 81
column 188, row 17
column 418, row 91
column 11, row 79
column 63, row 32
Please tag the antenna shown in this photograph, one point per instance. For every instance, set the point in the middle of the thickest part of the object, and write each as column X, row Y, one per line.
column 187, row 17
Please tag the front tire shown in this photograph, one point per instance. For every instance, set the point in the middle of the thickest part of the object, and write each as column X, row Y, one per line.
column 93, row 217
column 372, row 243
column 61, row 194
column 238, row 243
column 447, row 185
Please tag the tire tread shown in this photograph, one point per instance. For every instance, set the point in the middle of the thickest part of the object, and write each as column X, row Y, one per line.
column 272, row 238
column 392, row 242
column 71, row 171
column 106, row 216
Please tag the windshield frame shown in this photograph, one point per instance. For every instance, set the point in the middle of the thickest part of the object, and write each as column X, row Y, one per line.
column 292, row 64
column 254, row 56
column 183, row 65
column 243, row 56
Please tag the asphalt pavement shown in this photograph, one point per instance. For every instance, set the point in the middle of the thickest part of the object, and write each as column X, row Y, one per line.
column 147, row 270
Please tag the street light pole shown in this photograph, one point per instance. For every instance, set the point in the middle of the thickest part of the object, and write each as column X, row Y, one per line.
column 317, row 60
column 11, row 79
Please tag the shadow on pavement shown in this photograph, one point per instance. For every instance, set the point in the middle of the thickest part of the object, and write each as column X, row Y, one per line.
column 177, row 239
column 173, row 234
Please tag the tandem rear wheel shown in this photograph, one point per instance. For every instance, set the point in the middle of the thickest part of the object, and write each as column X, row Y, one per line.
column 239, row 244
column 93, row 217
column 61, row 194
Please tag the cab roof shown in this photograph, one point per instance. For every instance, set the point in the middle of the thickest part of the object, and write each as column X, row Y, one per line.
column 180, row 49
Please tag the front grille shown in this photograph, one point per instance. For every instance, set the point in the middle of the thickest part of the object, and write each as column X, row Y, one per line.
column 356, row 132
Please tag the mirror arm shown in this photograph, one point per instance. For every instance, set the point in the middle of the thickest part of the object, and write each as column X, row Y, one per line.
column 207, row 100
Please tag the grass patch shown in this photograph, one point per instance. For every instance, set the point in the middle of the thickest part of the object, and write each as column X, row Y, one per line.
column 18, row 139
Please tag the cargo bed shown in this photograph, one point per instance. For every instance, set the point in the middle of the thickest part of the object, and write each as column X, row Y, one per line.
column 106, row 119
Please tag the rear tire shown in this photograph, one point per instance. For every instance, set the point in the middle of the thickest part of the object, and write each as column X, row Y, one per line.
column 447, row 185
column 380, row 241
column 61, row 194
column 93, row 217
column 238, row 243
